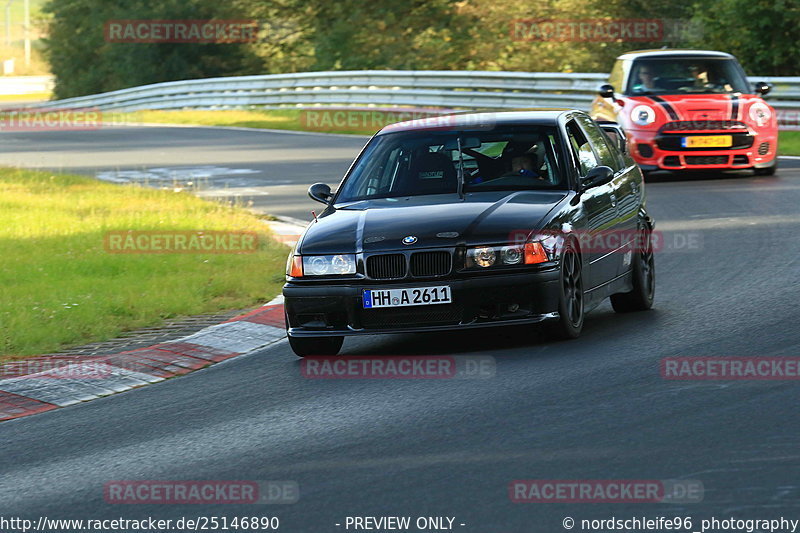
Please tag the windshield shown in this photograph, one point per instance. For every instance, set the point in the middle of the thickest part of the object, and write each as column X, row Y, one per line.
column 688, row 75
column 414, row 163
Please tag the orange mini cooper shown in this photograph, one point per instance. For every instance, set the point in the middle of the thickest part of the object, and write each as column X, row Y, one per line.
column 690, row 110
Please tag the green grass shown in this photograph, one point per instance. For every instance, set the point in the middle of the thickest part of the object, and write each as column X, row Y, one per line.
column 789, row 143
column 354, row 122
column 32, row 97
column 60, row 288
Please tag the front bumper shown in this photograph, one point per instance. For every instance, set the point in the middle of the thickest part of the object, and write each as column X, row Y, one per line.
column 316, row 309
column 656, row 151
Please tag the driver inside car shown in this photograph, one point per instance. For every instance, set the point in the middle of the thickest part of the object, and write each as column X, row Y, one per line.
column 523, row 165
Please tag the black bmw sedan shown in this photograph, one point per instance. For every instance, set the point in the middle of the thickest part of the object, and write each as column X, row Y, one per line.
column 474, row 220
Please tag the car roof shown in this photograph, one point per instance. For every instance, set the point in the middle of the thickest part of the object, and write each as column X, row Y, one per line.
column 549, row 117
column 673, row 52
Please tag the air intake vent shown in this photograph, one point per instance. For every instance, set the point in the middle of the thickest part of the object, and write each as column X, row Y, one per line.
column 389, row 266
column 645, row 150
column 763, row 148
column 706, row 159
column 430, row 264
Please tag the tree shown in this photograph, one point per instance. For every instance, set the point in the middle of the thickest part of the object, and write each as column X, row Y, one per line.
column 85, row 63
column 763, row 34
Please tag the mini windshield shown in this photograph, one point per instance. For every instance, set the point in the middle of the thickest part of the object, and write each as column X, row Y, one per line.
column 688, row 75
column 414, row 163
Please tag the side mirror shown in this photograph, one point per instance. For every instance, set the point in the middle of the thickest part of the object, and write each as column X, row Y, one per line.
column 606, row 91
column 596, row 177
column 320, row 192
column 763, row 88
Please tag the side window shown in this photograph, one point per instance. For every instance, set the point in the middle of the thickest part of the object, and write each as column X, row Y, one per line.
column 600, row 142
column 581, row 148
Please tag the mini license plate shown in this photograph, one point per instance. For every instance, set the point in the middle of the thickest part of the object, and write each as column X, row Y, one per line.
column 375, row 298
column 708, row 141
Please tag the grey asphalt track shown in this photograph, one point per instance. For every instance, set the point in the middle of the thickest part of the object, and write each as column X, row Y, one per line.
column 271, row 170
column 592, row 408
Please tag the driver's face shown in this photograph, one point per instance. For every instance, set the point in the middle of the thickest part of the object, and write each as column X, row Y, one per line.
column 646, row 75
column 521, row 163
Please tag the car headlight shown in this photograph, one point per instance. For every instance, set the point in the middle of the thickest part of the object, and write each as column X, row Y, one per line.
column 321, row 265
column 643, row 115
column 760, row 114
column 482, row 257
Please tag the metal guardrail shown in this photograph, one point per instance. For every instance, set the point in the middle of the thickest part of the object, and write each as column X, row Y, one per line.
column 445, row 89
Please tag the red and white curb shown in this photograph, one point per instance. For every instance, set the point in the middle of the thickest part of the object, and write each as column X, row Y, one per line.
column 72, row 379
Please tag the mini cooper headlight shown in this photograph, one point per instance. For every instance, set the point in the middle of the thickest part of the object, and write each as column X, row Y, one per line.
column 760, row 114
column 643, row 115
column 322, row 265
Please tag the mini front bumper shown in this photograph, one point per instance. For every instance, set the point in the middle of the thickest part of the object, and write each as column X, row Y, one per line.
column 651, row 152
column 315, row 309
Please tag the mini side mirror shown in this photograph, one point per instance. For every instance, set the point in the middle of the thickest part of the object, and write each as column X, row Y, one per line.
column 320, row 192
column 606, row 91
column 763, row 88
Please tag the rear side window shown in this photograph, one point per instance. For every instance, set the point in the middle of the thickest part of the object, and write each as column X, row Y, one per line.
column 606, row 155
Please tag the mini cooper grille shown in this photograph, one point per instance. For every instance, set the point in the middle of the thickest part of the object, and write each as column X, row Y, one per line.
column 763, row 148
column 672, row 161
column 706, row 159
column 430, row 264
column 388, row 266
column 704, row 125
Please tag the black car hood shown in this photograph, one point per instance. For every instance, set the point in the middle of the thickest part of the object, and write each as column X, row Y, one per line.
column 435, row 220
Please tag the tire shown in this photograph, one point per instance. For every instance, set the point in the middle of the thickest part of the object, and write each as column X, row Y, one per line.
column 570, row 297
column 305, row 346
column 644, row 280
column 767, row 171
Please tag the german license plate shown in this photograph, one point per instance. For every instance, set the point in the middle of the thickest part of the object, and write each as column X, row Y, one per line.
column 375, row 298
column 708, row 141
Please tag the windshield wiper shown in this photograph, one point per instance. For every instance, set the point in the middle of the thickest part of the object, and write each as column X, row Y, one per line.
column 460, row 170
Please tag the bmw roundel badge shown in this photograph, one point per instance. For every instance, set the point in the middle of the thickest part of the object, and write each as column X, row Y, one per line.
column 409, row 239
